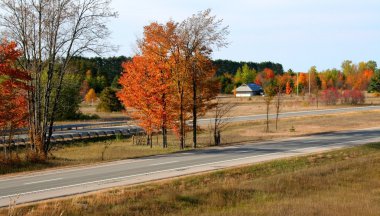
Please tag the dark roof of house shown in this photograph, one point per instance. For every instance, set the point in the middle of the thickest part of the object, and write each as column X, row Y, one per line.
column 249, row 87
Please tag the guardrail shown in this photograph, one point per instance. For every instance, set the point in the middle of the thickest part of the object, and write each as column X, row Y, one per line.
column 75, row 126
column 81, row 135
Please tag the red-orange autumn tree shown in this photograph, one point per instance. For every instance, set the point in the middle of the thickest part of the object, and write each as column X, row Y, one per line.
column 175, row 60
column 139, row 82
column 156, row 76
column 302, row 82
column 13, row 86
column 288, row 89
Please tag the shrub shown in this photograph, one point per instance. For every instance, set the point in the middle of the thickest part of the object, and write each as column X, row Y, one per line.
column 330, row 96
column 352, row 97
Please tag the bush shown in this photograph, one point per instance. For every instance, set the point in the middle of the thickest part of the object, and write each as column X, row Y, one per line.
column 352, row 97
column 330, row 96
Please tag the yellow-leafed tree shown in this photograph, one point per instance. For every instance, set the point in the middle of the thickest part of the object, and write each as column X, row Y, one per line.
column 90, row 96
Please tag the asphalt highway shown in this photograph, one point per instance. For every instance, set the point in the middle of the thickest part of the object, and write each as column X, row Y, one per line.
column 36, row 186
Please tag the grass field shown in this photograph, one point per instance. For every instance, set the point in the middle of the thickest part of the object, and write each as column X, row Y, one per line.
column 250, row 106
column 81, row 153
column 341, row 182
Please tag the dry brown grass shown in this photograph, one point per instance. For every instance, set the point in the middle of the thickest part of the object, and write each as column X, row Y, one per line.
column 343, row 182
column 255, row 130
column 249, row 106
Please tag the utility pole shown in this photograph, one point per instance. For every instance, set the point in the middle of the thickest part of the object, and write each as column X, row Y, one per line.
column 297, row 83
column 309, row 83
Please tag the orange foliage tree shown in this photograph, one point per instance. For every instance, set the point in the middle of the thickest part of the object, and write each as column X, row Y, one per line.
column 151, row 74
column 302, row 82
column 90, row 96
column 13, row 86
column 139, row 82
column 171, row 80
column 288, row 89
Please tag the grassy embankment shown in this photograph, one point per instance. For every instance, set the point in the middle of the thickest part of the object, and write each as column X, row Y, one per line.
column 341, row 182
column 79, row 153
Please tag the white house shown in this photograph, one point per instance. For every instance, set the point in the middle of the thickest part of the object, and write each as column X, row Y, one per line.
column 249, row 90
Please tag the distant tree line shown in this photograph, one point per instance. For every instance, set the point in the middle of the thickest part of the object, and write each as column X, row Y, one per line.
column 231, row 67
column 99, row 72
column 102, row 72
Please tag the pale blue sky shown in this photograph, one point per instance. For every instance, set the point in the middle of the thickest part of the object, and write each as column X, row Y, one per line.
column 296, row 33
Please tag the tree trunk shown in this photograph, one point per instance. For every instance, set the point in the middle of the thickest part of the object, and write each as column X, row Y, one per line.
column 267, row 103
column 164, row 123
column 164, row 138
column 181, row 119
column 194, row 113
column 278, row 104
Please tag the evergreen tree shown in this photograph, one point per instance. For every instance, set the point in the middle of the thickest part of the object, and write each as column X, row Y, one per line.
column 108, row 101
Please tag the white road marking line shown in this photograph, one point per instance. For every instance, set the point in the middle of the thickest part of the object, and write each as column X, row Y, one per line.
column 67, row 170
column 333, row 146
column 169, row 162
column 187, row 153
column 242, row 151
column 43, row 181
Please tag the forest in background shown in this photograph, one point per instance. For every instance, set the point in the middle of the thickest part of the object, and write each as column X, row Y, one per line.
column 105, row 71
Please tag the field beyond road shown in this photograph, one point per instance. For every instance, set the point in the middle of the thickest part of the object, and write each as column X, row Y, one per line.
column 341, row 182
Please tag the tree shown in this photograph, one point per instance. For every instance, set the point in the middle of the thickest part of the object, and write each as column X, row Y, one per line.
column 198, row 35
column 108, row 101
column 68, row 103
column 248, row 75
column 289, row 89
column 302, row 82
column 139, row 91
column 84, row 89
column 281, row 83
column 50, row 33
column 220, row 122
column 13, row 87
column 90, row 96
column 157, row 47
column 269, row 87
column 314, row 83
column 374, row 85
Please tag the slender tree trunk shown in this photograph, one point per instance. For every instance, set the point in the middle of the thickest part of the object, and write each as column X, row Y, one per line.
column 151, row 140
column 164, row 138
column 267, row 103
column 216, row 118
column 194, row 113
column 181, row 119
column 278, row 105
column 164, row 123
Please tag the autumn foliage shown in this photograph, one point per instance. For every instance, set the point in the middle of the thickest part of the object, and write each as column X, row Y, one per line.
column 13, row 86
column 158, row 84
column 90, row 96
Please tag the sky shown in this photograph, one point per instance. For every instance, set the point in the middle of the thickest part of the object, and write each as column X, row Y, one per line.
column 296, row 33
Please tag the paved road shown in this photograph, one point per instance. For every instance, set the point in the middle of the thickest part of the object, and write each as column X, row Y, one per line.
column 62, row 182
